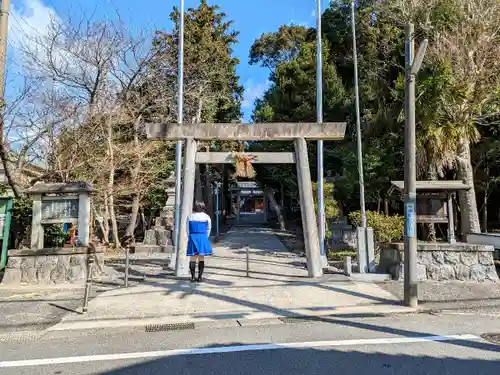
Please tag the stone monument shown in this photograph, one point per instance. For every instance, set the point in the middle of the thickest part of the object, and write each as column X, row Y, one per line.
column 159, row 239
column 56, row 203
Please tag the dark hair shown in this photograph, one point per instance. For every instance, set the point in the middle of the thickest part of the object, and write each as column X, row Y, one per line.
column 199, row 207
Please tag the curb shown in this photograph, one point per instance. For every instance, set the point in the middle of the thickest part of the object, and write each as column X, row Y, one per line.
column 170, row 323
column 456, row 311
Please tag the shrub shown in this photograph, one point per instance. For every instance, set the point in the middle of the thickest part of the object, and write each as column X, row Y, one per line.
column 339, row 255
column 331, row 206
column 20, row 227
column 386, row 228
column 55, row 236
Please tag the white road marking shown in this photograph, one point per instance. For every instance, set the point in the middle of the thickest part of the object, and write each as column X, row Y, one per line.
column 231, row 349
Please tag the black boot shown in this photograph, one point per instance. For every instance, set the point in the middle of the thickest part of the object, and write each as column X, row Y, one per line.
column 201, row 266
column 192, row 269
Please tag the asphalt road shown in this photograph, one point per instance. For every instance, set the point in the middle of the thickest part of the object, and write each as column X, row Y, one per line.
column 405, row 344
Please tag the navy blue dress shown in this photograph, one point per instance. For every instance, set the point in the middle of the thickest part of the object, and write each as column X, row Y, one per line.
column 198, row 227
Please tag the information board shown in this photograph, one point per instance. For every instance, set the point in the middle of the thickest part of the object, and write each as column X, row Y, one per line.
column 59, row 210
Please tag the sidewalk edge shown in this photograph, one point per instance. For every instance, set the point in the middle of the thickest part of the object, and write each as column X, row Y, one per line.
column 228, row 322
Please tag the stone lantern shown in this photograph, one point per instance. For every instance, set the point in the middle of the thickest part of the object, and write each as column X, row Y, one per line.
column 168, row 211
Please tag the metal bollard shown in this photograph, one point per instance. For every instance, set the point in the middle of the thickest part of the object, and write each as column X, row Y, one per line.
column 88, row 285
column 127, row 265
column 248, row 261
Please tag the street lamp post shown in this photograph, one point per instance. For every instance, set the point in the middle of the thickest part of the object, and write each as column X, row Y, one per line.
column 319, row 119
column 178, row 146
column 365, row 235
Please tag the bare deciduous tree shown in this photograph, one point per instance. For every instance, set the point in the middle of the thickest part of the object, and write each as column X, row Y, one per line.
column 97, row 68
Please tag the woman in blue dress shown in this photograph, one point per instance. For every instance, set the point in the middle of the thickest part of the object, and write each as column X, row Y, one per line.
column 198, row 227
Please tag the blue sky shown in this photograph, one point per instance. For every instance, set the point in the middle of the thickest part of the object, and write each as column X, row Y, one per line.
column 251, row 18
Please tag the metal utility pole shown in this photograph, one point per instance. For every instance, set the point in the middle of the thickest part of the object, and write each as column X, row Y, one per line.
column 358, row 121
column 319, row 119
column 365, row 246
column 178, row 146
column 412, row 66
column 4, row 28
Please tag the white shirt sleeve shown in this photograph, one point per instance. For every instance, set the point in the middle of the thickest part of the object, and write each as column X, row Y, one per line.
column 187, row 225
column 209, row 229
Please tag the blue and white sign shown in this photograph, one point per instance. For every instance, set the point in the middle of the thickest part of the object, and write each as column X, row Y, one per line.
column 410, row 220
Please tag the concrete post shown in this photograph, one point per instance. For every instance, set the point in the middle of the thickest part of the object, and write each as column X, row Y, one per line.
column 309, row 224
column 187, row 205
column 370, row 250
column 36, row 223
column 361, row 248
column 83, row 219
column 366, row 249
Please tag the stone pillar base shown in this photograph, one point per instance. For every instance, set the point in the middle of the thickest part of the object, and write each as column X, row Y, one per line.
column 51, row 266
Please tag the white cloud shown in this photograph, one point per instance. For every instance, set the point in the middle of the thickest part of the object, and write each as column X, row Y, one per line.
column 30, row 20
column 38, row 35
column 253, row 91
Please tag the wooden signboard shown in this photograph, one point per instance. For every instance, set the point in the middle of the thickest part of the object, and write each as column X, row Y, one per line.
column 431, row 209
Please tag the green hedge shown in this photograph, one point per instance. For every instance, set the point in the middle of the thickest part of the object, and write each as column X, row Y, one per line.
column 386, row 228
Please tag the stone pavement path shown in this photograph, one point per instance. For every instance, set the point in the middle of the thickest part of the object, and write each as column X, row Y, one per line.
column 278, row 286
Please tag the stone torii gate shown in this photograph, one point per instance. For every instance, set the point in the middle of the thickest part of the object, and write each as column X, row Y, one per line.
column 297, row 132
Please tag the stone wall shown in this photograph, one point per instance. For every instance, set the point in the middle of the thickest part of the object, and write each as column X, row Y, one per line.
column 51, row 266
column 442, row 261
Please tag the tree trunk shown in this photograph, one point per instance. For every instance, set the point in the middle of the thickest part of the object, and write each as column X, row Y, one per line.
column 198, row 188
column 103, row 225
column 386, row 206
column 136, row 200
column 114, row 224
column 485, row 210
column 5, row 160
column 106, row 218
column 130, row 231
column 276, row 208
column 282, row 198
column 207, row 187
column 111, row 183
column 226, row 195
column 468, row 206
